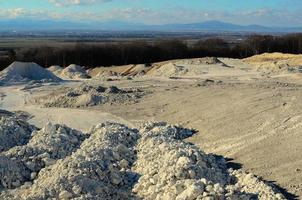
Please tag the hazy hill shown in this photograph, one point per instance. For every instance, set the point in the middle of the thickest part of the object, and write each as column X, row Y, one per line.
column 26, row 24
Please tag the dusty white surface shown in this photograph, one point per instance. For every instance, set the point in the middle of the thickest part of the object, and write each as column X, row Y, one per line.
column 81, row 119
column 246, row 114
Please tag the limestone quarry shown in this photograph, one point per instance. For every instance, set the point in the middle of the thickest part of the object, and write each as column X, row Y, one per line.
column 203, row 128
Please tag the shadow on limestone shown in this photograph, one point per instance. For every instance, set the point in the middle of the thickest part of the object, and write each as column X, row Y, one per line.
column 234, row 165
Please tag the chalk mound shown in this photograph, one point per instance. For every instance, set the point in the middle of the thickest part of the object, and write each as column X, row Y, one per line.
column 106, row 74
column 271, row 57
column 170, row 69
column 88, row 95
column 113, row 161
column 137, row 70
column 13, row 131
column 124, row 70
column 113, row 70
column 74, row 72
column 55, row 69
column 45, row 147
column 201, row 61
column 187, row 67
column 26, row 71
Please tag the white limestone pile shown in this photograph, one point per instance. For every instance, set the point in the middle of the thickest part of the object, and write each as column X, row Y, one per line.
column 170, row 69
column 25, row 72
column 173, row 169
column 187, row 67
column 74, row 72
column 13, row 131
column 13, row 173
column 55, row 69
column 23, row 163
column 106, row 74
column 201, row 61
column 251, row 184
column 99, row 169
column 113, row 161
column 87, row 95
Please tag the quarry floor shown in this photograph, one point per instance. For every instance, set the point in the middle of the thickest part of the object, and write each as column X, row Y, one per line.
column 252, row 119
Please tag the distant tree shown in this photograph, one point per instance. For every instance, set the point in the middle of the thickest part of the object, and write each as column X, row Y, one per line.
column 139, row 51
column 11, row 55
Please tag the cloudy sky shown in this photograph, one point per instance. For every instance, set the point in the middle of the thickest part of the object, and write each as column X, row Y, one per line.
column 263, row 12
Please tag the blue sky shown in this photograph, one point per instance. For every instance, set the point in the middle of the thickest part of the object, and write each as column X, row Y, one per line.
column 263, row 12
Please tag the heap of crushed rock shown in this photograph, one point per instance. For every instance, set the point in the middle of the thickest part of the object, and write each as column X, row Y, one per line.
column 74, row 72
column 55, row 69
column 276, row 63
column 26, row 71
column 201, row 61
column 174, row 169
column 168, row 70
column 106, row 74
column 13, row 131
column 88, row 95
column 187, row 67
column 113, row 161
column 271, row 57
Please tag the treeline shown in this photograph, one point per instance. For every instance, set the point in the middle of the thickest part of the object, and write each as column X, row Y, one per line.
column 147, row 52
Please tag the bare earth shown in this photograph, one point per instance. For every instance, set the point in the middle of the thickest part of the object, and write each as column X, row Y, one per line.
column 252, row 117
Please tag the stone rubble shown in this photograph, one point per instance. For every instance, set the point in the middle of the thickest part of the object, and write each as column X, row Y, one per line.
column 47, row 145
column 73, row 72
column 200, row 61
column 87, row 95
column 25, row 72
column 113, row 161
column 174, row 169
column 13, row 131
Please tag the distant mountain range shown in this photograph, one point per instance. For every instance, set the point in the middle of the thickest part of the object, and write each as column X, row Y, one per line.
column 208, row 26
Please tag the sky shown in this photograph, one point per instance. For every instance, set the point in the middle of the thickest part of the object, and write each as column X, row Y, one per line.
column 262, row 12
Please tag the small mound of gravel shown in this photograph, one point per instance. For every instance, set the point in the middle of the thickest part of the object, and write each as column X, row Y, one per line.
column 87, row 95
column 13, row 131
column 163, row 128
column 74, row 72
column 113, row 161
column 202, row 61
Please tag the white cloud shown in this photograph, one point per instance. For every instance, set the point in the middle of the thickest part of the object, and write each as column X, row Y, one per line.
column 75, row 2
column 23, row 13
column 151, row 16
column 12, row 13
